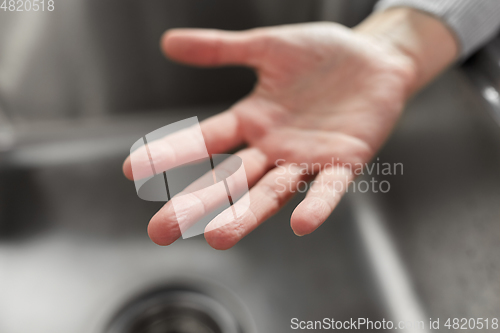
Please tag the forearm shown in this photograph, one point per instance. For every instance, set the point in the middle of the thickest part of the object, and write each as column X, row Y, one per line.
column 424, row 39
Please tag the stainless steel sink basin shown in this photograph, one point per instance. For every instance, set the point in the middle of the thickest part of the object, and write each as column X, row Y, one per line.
column 444, row 212
column 74, row 250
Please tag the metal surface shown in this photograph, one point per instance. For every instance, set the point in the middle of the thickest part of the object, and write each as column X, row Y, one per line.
column 443, row 213
column 175, row 310
column 73, row 243
column 484, row 71
column 90, row 57
column 74, row 248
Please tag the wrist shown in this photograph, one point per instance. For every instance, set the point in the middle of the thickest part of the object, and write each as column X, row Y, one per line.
column 422, row 39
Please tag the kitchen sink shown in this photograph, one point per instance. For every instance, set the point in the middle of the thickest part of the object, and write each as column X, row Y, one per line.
column 75, row 256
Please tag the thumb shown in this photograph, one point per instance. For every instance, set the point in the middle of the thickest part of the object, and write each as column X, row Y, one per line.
column 204, row 47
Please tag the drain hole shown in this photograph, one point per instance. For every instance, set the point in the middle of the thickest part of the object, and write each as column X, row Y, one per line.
column 174, row 311
column 175, row 319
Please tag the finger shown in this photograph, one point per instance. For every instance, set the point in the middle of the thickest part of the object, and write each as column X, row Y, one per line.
column 206, row 47
column 218, row 134
column 266, row 198
column 323, row 196
column 165, row 227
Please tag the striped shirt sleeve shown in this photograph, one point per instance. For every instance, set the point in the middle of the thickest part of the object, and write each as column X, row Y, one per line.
column 474, row 22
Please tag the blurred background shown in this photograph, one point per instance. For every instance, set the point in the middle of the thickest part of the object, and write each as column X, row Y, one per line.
column 79, row 85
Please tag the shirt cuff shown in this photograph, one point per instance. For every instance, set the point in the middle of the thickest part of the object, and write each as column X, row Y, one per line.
column 474, row 22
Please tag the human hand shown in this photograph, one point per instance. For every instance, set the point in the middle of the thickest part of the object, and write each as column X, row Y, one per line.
column 323, row 92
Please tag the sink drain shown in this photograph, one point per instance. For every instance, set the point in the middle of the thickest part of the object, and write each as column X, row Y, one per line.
column 174, row 311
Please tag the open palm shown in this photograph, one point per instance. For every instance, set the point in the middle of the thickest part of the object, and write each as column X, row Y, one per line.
column 324, row 93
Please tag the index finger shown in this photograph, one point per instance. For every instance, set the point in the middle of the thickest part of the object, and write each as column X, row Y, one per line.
column 212, row 136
